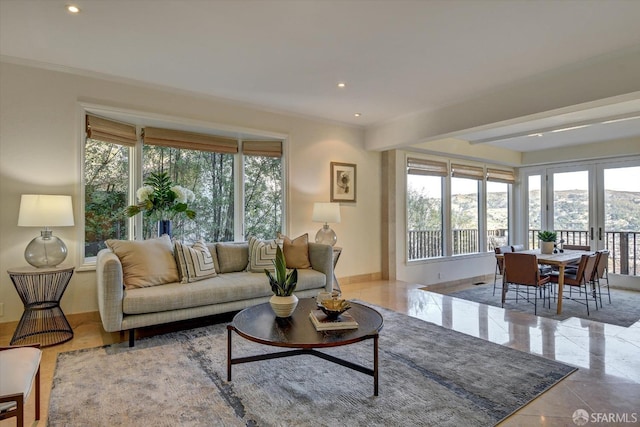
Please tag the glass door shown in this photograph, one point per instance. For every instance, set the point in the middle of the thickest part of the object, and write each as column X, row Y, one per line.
column 619, row 229
column 570, row 209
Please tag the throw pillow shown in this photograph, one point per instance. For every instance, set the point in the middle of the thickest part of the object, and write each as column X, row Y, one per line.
column 296, row 251
column 262, row 253
column 146, row 262
column 232, row 256
column 195, row 262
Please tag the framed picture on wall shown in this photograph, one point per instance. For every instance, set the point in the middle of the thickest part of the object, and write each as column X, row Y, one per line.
column 343, row 182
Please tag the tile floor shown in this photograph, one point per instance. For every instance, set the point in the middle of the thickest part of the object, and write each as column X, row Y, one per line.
column 607, row 384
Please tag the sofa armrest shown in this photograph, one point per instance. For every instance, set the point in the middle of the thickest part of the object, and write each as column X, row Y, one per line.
column 321, row 258
column 110, row 290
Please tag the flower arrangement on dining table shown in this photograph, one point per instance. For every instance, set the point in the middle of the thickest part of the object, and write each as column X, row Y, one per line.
column 162, row 200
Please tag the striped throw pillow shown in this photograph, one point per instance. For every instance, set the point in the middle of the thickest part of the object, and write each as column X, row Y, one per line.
column 262, row 253
column 195, row 262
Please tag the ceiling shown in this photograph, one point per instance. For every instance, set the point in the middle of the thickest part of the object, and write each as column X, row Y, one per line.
column 395, row 57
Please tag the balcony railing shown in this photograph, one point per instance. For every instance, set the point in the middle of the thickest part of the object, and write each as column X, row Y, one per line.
column 623, row 246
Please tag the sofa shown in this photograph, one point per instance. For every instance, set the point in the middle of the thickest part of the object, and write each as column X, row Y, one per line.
column 157, row 281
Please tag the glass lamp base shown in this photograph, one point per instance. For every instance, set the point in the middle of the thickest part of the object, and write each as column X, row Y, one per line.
column 326, row 236
column 45, row 250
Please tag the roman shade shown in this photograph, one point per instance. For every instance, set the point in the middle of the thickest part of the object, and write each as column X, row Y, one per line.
column 499, row 175
column 110, row 131
column 466, row 171
column 426, row 167
column 189, row 140
column 262, row 148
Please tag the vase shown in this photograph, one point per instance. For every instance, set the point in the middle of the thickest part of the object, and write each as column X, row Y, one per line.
column 164, row 227
column 547, row 247
column 283, row 306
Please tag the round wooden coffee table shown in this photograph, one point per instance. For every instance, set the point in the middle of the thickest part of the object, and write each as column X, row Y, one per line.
column 259, row 324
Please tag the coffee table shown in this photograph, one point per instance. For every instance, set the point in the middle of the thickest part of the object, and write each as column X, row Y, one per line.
column 260, row 325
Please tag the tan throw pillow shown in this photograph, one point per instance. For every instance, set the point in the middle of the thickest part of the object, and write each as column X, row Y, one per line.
column 296, row 251
column 195, row 262
column 146, row 262
column 232, row 256
column 262, row 253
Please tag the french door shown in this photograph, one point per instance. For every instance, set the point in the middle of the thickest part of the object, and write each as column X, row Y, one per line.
column 594, row 204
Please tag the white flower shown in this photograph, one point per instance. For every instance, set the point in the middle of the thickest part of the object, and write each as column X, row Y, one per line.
column 143, row 193
column 184, row 195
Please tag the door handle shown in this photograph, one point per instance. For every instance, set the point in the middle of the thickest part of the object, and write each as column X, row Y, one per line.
column 599, row 233
column 591, row 234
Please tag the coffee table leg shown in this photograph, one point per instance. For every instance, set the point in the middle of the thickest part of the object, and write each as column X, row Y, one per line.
column 375, row 365
column 229, row 352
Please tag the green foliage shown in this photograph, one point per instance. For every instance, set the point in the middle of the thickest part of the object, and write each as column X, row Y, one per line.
column 284, row 282
column 547, row 236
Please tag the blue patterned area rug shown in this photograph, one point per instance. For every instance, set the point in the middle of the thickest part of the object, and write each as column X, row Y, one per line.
column 429, row 376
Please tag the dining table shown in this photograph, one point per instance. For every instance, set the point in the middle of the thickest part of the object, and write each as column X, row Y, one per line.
column 560, row 260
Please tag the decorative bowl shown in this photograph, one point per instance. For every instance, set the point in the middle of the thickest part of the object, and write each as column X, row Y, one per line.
column 334, row 307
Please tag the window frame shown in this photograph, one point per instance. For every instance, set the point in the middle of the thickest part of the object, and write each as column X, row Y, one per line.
column 143, row 119
column 489, row 170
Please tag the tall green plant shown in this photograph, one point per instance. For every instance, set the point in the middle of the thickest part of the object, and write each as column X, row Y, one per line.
column 284, row 282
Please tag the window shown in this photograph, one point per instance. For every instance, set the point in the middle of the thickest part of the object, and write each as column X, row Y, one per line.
column 425, row 208
column 465, row 204
column 205, row 164
column 446, row 210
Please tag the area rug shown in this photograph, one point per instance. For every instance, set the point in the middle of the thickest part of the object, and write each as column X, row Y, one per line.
column 624, row 309
column 429, row 376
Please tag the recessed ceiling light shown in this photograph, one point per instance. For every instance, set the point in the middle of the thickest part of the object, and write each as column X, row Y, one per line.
column 342, row 84
column 357, row 114
column 73, row 9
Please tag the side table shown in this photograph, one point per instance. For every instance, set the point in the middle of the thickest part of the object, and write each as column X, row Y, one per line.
column 336, row 256
column 40, row 290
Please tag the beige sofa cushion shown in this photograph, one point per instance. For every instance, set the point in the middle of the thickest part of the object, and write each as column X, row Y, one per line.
column 232, row 256
column 195, row 262
column 145, row 262
column 223, row 288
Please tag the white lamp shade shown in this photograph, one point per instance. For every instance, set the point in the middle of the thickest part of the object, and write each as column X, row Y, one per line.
column 326, row 212
column 38, row 210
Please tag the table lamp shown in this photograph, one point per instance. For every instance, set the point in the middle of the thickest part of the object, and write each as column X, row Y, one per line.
column 326, row 212
column 38, row 210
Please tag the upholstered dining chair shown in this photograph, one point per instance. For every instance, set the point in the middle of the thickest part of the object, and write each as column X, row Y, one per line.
column 499, row 265
column 521, row 269
column 581, row 278
column 19, row 369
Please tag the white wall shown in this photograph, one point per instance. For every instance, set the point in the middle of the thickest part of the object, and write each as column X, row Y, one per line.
column 40, row 149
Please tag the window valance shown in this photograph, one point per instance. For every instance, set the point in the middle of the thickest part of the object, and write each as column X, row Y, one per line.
column 110, row 131
column 189, row 140
column 500, row 175
column 262, row 148
column 466, row 171
column 426, row 167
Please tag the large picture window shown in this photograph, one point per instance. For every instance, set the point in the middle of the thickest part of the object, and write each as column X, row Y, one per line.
column 219, row 170
column 456, row 209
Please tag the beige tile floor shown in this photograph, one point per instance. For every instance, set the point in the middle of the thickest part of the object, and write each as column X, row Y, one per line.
column 607, row 384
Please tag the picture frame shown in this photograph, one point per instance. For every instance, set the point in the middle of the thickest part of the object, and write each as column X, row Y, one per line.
column 343, row 182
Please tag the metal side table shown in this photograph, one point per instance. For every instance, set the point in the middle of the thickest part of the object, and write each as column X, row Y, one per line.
column 40, row 290
column 336, row 256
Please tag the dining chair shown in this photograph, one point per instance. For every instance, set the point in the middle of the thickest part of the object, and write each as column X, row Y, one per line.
column 522, row 269
column 499, row 265
column 601, row 273
column 19, row 369
column 581, row 278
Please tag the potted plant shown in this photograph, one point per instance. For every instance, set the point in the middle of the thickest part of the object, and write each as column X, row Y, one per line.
column 283, row 302
column 548, row 239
